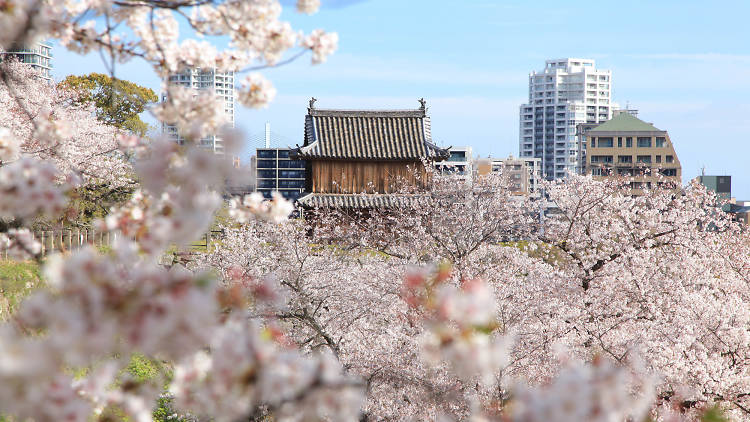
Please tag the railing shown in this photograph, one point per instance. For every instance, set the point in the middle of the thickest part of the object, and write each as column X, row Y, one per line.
column 66, row 240
column 63, row 240
column 204, row 242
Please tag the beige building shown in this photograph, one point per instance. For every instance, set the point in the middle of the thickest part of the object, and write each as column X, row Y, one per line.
column 626, row 146
column 525, row 173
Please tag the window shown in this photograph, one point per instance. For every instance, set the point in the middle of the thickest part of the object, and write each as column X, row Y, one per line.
column 669, row 172
column 628, row 142
column 644, row 159
column 644, row 142
column 266, row 164
column 601, row 159
column 624, row 158
column 659, row 142
column 290, row 174
column 593, row 142
column 291, row 194
column 624, row 172
column 291, row 164
column 291, row 183
column 619, row 142
column 605, row 143
column 669, row 159
column 457, row 156
column 266, row 154
column 658, row 158
column 267, row 174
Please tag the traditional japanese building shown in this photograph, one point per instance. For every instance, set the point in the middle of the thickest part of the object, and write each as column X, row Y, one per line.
column 358, row 158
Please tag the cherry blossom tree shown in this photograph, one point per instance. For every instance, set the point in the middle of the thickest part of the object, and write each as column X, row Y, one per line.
column 664, row 274
column 48, row 125
column 101, row 308
column 596, row 283
column 346, row 303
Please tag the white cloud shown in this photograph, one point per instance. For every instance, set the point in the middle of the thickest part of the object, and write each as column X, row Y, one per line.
column 362, row 69
column 703, row 57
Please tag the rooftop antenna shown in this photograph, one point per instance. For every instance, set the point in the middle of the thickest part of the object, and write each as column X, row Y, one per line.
column 268, row 134
column 703, row 170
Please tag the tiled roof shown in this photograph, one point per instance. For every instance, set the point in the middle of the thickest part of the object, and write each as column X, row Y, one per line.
column 369, row 135
column 625, row 122
column 738, row 209
column 322, row 200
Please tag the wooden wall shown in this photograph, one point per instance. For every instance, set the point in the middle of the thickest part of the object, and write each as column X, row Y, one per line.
column 363, row 176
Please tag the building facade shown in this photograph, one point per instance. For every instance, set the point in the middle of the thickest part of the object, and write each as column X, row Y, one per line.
column 566, row 93
column 39, row 57
column 525, row 173
column 221, row 83
column 359, row 158
column 459, row 163
column 741, row 211
column 720, row 185
column 275, row 171
column 626, row 146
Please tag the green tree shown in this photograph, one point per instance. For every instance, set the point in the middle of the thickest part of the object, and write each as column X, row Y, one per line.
column 118, row 102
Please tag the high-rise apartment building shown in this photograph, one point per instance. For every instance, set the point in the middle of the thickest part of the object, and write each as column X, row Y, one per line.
column 566, row 93
column 39, row 57
column 222, row 83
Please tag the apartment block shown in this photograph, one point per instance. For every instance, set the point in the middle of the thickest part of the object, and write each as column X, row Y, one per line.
column 221, row 83
column 626, row 146
column 39, row 57
column 275, row 171
column 525, row 173
column 566, row 93
column 459, row 163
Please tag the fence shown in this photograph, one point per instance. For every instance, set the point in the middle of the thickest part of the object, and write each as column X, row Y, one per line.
column 204, row 242
column 66, row 240
column 71, row 239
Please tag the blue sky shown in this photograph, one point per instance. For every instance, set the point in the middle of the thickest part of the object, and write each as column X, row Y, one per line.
column 684, row 64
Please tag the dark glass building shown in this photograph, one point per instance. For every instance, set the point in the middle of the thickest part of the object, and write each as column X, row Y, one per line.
column 275, row 171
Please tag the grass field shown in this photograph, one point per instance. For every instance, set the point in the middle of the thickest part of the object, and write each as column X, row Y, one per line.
column 17, row 280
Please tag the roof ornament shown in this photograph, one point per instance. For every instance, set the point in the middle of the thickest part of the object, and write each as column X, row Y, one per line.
column 312, row 102
column 423, row 103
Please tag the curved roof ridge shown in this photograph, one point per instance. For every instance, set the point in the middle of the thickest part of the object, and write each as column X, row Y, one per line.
column 367, row 113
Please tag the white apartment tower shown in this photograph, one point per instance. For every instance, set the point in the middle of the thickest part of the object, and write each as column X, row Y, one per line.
column 566, row 93
column 222, row 83
column 38, row 57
